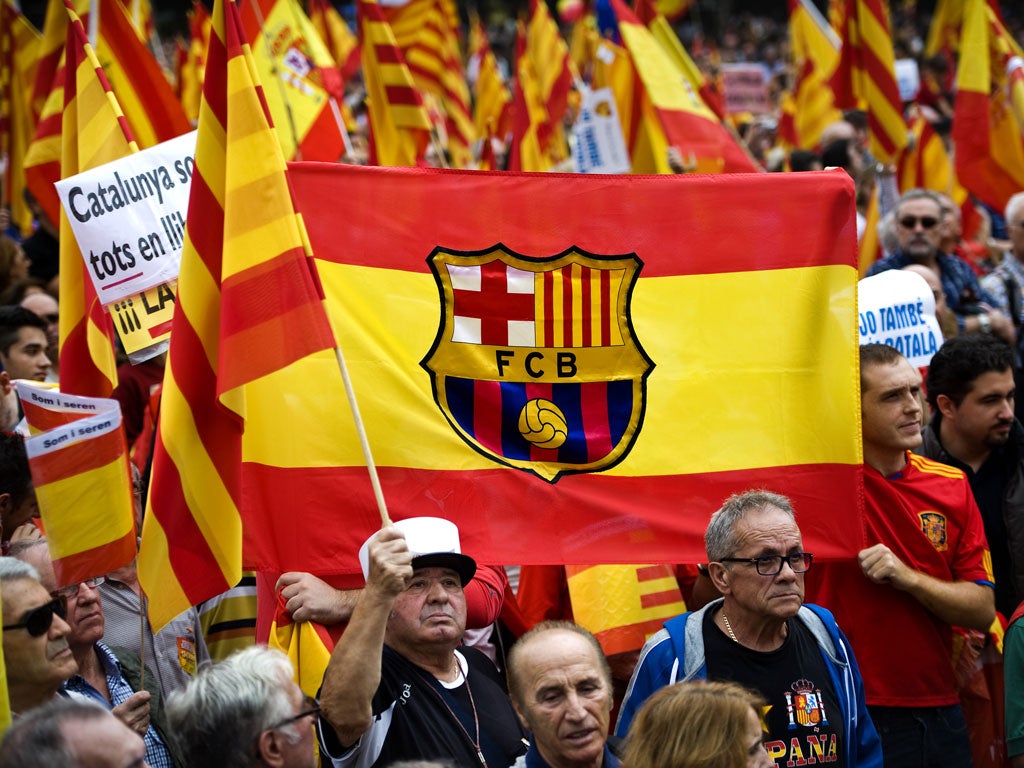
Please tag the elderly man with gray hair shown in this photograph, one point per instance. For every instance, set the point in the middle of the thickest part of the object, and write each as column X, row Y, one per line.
column 245, row 712
column 761, row 635
column 35, row 637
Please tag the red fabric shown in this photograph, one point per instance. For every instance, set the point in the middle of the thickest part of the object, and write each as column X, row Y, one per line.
column 910, row 662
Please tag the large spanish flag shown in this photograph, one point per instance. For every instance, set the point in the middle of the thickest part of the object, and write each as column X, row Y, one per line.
column 574, row 369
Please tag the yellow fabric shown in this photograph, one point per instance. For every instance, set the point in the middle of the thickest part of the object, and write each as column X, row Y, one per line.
column 608, row 596
column 815, row 51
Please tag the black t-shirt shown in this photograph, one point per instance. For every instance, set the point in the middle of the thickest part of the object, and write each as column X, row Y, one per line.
column 804, row 719
column 416, row 718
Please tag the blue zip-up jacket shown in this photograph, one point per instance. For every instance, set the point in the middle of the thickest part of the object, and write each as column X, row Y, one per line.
column 676, row 654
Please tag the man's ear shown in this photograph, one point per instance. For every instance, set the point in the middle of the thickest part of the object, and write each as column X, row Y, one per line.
column 720, row 577
column 269, row 747
column 946, row 406
column 519, row 713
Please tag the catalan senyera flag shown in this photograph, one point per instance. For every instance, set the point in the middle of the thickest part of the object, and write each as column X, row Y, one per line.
column 987, row 129
column 680, row 116
column 427, row 33
column 553, row 71
column 301, row 79
column 572, row 369
column 308, row 645
column 815, row 51
column 79, row 463
column 527, row 115
column 491, row 96
column 190, row 77
column 49, row 54
column 147, row 100
column 399, row 124
column 94, row 131
column 19, row 43
column 246, row 305
column 339, row 39
column 865, row 75
column 623, row 605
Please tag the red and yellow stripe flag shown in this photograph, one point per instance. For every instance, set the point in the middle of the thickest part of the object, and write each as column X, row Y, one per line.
column 623, row 605
column 19, row 43
column 491, row 97
column 682, row 117
column 190, row 76
column 399, row 124
column 93, row 132
column 427, row 32
column 647, row 11
column 865, row 76
column 246, row 305
column 815, row 51
column 290, row 56
column 79, row 463
column 528, row 115
column 988, row 124
column 553, row 71
column 308, row 645
column 681, row 366
column 339, row 39
column 147, row 100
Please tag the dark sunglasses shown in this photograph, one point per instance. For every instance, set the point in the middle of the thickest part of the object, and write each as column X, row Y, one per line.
column 39, row 620
column 927, row 222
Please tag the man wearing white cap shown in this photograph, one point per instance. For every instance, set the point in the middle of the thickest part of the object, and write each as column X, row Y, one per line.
column 398, row 686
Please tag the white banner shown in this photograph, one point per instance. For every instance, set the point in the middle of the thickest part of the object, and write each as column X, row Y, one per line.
column 128, row 217
column 897, row 308
column 598, row 146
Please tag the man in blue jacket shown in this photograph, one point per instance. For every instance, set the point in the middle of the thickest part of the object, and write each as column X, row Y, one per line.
column 761, row 635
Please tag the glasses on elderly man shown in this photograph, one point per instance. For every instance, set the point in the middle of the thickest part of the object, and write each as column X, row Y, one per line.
column 310, row 707
column 909, row 222
column 39, row 620
column 71, row 590
column 771, row 565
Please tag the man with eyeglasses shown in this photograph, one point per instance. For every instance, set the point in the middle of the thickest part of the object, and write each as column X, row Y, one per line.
column 245, row 712
column 762, row 635
column 37, row 657
column 100, row 676
column 926, row 569
column 918, row 232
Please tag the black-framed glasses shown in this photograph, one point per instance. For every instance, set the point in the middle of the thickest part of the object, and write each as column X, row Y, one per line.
column 310, row 707
column 771, row 565
column 71, row 590
column 927, row 222
column 39, row 620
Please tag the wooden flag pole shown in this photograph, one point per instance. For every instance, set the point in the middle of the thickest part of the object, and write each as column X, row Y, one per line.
column 371, row 468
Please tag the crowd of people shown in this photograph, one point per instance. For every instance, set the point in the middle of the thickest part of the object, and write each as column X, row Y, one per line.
column 780, row 659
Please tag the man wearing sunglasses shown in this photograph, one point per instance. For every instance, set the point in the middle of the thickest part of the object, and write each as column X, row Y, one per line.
column 926, row 568
column 762, row 635
column 100, row 677
column 35, row 637
column 919, row 217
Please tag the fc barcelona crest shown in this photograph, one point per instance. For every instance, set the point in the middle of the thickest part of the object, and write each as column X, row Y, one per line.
column 535, row 363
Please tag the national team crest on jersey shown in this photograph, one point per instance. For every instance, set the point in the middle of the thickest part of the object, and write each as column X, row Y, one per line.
column 933, row 525
column 805, row 705
column 535, row 363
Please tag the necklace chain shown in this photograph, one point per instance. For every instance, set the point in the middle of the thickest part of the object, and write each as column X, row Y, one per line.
column 728, row 628
column 476, row 719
